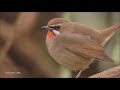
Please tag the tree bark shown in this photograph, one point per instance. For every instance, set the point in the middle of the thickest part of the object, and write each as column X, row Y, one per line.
column 110, row 73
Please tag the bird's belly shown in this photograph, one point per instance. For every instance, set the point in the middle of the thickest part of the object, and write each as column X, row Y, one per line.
column 70, row 60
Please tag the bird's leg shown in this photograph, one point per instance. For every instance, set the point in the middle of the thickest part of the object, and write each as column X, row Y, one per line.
column 78, row 75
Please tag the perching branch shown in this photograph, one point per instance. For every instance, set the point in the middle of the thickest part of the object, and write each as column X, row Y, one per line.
column 110, row 73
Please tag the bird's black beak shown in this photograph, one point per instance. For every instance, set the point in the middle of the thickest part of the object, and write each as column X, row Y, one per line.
column 46, row 27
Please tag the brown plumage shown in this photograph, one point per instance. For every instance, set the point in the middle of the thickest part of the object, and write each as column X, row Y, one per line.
column 75, row 45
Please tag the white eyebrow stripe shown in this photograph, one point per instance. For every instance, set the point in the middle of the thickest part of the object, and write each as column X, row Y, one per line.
column 57, row 25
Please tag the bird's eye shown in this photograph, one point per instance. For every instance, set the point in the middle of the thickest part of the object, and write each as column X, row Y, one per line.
column 55, row 27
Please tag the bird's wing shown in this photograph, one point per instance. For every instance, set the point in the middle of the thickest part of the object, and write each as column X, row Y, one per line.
column 84, row 46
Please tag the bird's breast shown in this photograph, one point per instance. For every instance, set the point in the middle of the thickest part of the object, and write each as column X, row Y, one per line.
column 68, row 59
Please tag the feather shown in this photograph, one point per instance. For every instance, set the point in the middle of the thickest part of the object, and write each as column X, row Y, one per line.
column 84, row 46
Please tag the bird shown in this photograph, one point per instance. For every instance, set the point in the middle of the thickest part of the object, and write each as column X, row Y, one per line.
column 75, row 46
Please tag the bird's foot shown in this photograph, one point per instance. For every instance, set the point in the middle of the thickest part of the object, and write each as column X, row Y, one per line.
column 78, row 75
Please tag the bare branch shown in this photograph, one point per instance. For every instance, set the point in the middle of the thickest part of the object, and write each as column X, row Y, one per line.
column 110, row 73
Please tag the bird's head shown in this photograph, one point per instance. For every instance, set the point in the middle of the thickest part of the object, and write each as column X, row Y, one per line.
column 54, row 26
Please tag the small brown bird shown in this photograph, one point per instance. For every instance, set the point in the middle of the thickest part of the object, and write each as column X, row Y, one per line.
column 75, row 45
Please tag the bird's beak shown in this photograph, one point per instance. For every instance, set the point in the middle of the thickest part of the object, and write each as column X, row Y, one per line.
column 46, row 27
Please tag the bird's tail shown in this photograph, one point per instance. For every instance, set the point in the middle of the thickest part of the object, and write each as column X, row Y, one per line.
column 106, row 59
column 108, row 32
